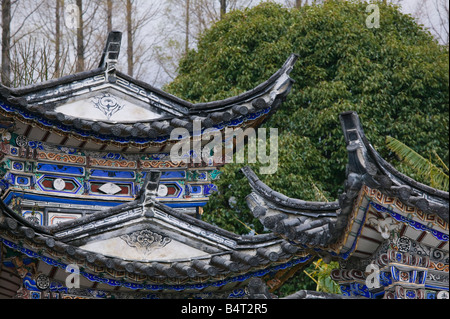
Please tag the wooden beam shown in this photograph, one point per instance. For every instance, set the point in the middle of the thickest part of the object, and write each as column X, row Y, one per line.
column 8, row 296
column 46, row 136
column 9, row 281
column 421, row 237
column 371, row 239
column 27, row 131
column 403, row 230
column 52, row 273
column 63, row 142
column 363, row 252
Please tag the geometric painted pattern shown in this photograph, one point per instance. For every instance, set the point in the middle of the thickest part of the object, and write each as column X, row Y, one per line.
column 402, row 208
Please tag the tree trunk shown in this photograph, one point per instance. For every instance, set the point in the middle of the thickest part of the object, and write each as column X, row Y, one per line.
column 223, row 8
column 186, row 43
column 58, row 39
column 298, row 4
column 129, row 38
column 109, row 15
column 80, row 38
column 6, row 42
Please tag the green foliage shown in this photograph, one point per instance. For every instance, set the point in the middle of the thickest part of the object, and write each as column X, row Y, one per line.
column 320, row 273
column 436, row 176
column 394, row 76
column 316, row 277
column 300, row 281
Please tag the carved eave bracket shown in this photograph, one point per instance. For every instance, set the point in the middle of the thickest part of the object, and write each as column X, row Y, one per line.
column 149, row 192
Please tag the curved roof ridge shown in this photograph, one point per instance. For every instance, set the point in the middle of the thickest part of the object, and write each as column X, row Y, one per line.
column 285, row 69
column 4, row 209
column 388, row 168
column 365, row 165
column 33, row 106
column 53, row 230
column 278, row 198
column 18, row 92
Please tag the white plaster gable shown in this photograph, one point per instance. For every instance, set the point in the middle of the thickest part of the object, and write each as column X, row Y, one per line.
column 109, row 106
column 143, row 245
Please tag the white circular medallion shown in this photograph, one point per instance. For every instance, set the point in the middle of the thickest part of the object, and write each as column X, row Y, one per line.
column 59, row 184
column 162, row 190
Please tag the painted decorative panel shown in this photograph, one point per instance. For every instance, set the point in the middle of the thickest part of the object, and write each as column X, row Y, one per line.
column 56, row 217
column 99, row 173
column 171, row 189
column 194, row 190
column 98, row 187
column 208, row 189
column 36, row 217
column 20, row 181
column 172, row 175
column 108, row 163
column 60, row 169
column 60, row 157
column 18, row 166
column 57, row 184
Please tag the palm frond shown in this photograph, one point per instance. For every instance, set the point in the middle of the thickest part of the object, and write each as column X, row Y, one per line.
column 435, row 175
column 440, row 161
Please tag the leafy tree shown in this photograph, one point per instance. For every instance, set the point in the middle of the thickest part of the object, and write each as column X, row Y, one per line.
column 394, row 76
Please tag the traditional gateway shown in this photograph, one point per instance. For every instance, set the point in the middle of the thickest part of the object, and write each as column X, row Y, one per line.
column 93, row 207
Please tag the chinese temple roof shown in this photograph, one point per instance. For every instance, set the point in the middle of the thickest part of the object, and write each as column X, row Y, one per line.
column 321, row 223
column 383, row 219
column 146, row 246
column 106, row 105
column 83, row 148
column 85, row 142
column 149, row 246
column 142, row 248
